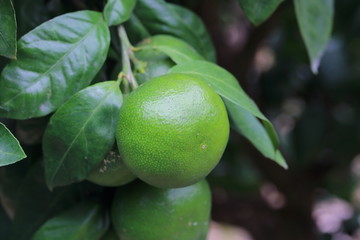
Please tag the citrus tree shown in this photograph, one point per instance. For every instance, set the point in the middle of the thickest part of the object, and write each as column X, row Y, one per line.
column 114, row 112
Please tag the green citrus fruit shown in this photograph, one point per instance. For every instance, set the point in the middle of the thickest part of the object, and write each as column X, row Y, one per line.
column 143, row 212
column 172, row 131
column 111, row 172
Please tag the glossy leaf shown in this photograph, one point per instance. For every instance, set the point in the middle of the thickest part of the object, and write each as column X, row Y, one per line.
column 240, row 106
column 80, row 133
column 178, row 50
column 260, row 10
column 87, row 220
column 118, row 11
column 315, row 20
column 10, row 149
column 161, row 18
column 7, row 29
column 55, row 60
column 249, row 126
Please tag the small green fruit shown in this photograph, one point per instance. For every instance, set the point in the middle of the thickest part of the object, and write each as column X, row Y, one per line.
column 143, row 212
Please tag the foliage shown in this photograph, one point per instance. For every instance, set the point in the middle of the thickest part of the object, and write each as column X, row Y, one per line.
column 72, row 65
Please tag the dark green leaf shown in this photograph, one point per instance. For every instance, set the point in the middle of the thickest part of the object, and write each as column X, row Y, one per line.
column 190, row 19
column 7, row 29
column 249, row 126
column 118, row 11
column 260, row 10
column 80, row 133
column 161, row 18
column 10, row 149
column 35, row 203
column 55, row 60
column 155, row 63
column 241, row 108
column 87, row 220
column 178, row 50
column 315, row 20
column 135, row 29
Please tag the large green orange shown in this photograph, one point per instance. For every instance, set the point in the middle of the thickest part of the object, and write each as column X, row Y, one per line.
column 172, row 131
column 143, row 212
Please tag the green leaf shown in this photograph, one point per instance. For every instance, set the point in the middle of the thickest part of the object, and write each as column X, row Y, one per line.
column 87, row 220
column 136, row 30
column 160, row 17
column 315, row 20
column 80, row 133
column 178, row 50
column 10, row 149
column 241, row 108
column 55, row 60
column 260, row 10
column 7, row 29
column 35, row 203
column 249, row 126
column 118, row 11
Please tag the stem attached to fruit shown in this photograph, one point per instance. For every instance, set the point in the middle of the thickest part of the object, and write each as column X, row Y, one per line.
column 126, row 54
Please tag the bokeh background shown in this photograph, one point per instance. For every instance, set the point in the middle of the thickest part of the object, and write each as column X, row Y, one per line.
column 316, row 116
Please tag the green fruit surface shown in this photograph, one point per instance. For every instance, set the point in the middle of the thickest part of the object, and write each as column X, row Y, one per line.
column 111, row 172
column 143, row 212
column 172, row 131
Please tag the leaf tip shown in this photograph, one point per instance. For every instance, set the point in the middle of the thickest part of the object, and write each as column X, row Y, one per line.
column 279, row 159
column 50, row 186
column 284, row 165
column 315, row 65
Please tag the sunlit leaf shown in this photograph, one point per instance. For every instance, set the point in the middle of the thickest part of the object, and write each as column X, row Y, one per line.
column 55, row 60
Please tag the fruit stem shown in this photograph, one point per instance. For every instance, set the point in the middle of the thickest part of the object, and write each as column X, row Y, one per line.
column 126, row 54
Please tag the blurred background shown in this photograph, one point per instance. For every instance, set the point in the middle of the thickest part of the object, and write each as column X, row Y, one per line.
column 316, row 116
